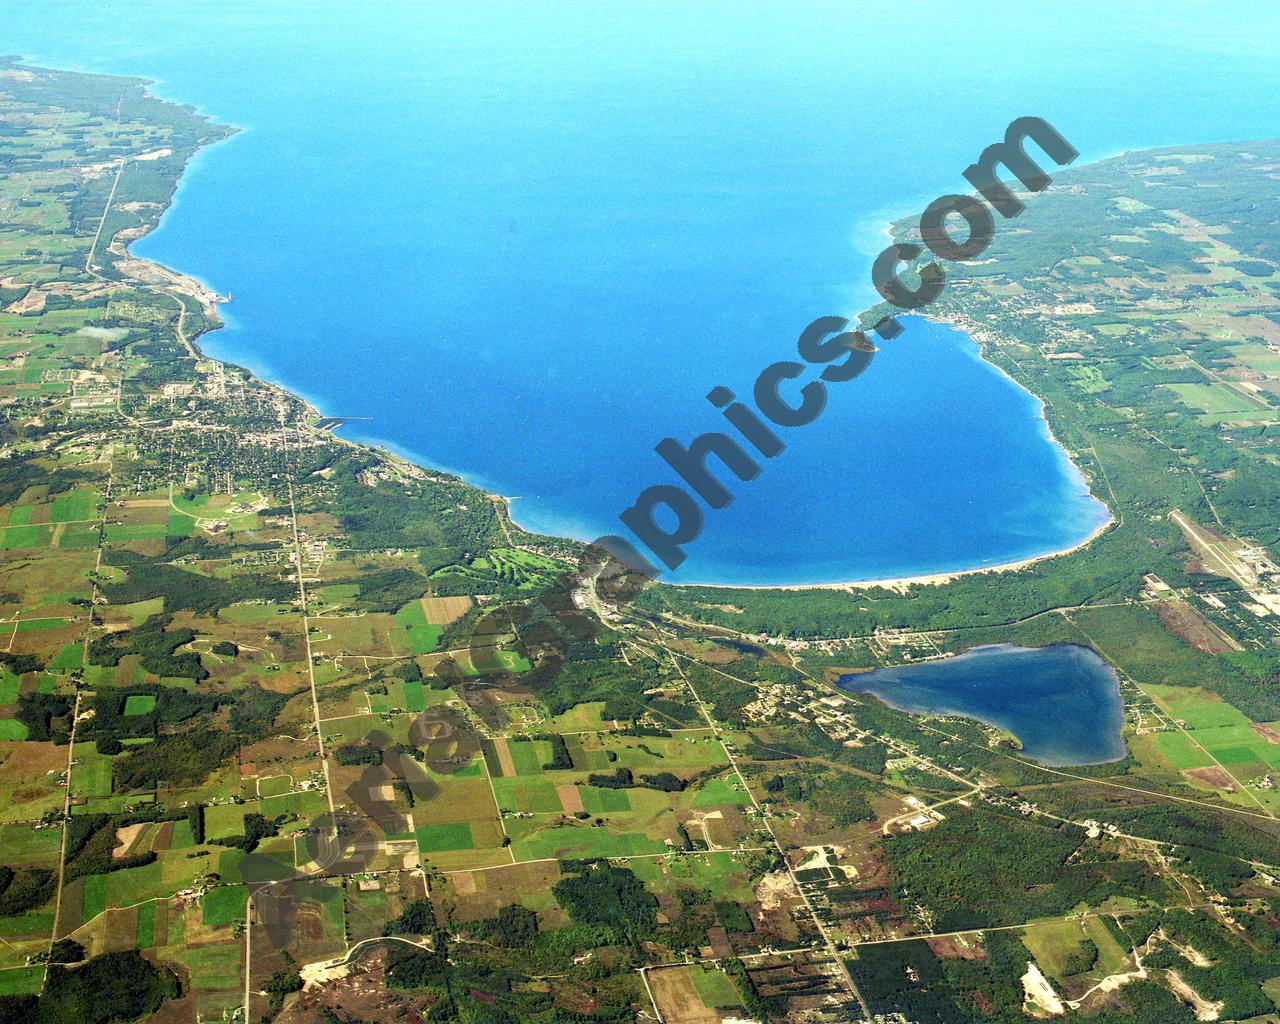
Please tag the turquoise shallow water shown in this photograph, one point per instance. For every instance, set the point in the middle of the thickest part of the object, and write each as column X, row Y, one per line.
column 1062, row 702
column 525, row 239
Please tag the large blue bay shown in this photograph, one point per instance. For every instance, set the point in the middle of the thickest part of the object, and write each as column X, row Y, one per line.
column 1062, row 702
column 525, row 239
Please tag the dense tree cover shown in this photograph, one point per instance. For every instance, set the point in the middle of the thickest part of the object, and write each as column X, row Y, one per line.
column 597, row 673
column 46, row 716
column 1134, row 640
column 178, row 758
column 80, row 829
column 1237, row 968
column 349, row 754
column 22, row 889
column 1081, row 959
column 91, row 838
column 22, row 470
column 95, row 855
column 417, row 918
column 256, row 828
column 388, row 590
column 20, row 663
column 733, row 916
column 17, row 1009
column 279, row 985
column 604, row 896
column 976, row 869
column 18, row 472
column 155, row 646
column 409, row 671
column 561, row 759
column 514, row 928
column 666, row 782
column 968, row 601
column 111, row 987
column 66, row 951
column 254, row 711
column 840, row 797
column 437, row 514
column 461, row 632
column 185, row 589
column 195, row 815
column 619, row 778
column 1208, row 841
column 690, row 912
column 197, row 547
column 758, row 1006
column 166, row 361
column 417, row 968
column 475, row 982
column 906, row 977
column 173, row 706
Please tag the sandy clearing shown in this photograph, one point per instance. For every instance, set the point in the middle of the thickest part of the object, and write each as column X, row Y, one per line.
column 504, row 758
column 1267, row 732
column 314, row 975
column 1110, row 983
column 774, row 889
column 1204, row 1010
column 1183, row 621
column 678, row 1000
column 125, row 838
column 570, row 798
column 1192, row 955
column 443, row 610
column 1218, row 778
column 32, row 302
column 1039, row 998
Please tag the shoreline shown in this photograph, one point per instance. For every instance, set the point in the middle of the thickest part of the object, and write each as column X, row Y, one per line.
column 902, row 583
column 847, row 683
column 387, row 449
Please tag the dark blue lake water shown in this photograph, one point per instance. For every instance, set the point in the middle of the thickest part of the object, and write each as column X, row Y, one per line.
column 525, row 239
column 1062, row 702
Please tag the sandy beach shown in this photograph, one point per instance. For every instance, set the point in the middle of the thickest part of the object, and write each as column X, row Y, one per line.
column 902, row 583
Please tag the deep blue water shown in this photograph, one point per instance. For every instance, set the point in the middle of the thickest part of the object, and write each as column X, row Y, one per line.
column 1062, row 702
column 525, row 239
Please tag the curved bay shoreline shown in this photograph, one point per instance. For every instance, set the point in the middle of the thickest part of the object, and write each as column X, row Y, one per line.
column 190, row 283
